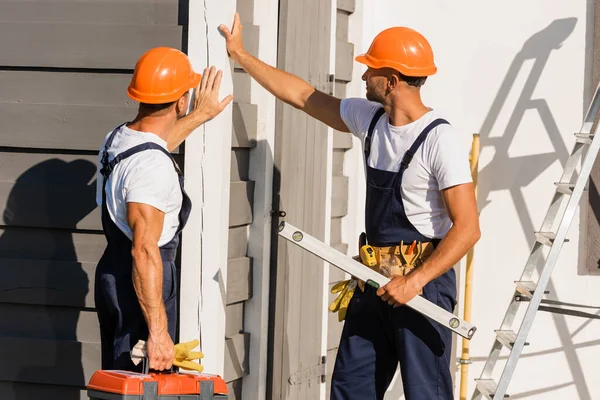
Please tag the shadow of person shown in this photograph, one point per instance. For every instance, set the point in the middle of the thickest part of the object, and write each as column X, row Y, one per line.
column 44, row 286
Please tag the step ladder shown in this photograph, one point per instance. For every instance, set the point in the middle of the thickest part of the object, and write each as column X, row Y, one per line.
column 549, row 239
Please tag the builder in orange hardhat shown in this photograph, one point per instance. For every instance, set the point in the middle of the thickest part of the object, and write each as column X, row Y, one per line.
column 145, row 207
column 420, row 217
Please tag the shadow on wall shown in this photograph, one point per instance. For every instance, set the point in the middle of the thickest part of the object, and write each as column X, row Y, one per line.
column 514, row 173
column 43, row 287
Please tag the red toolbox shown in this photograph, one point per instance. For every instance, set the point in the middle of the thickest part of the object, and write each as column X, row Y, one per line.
column 124, row 385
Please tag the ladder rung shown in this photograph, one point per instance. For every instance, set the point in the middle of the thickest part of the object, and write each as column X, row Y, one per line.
column 564, row 188
column 507, row 338
column 584, row 138
column 546, row 238
column 526, row 288
column 487, row 387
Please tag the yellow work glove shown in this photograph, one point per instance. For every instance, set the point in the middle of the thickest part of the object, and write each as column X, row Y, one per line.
column 184, row 356
column 340, row 304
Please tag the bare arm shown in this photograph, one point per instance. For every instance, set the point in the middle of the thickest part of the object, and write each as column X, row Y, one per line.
column 462, row 210
column 206, row 106
column 146, row 223
column 283, row 85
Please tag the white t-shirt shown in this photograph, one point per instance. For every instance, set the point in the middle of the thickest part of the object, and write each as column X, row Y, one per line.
column 147, row 177
column 441, row 162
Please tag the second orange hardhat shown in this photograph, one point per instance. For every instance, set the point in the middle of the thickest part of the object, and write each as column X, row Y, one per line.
column 162, row 75
column 402, row 49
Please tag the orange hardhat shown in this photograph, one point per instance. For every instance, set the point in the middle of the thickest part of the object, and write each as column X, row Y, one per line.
column 402, row 49
column 162, row 75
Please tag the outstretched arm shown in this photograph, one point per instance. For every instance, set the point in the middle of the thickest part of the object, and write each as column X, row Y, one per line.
column 285, row 86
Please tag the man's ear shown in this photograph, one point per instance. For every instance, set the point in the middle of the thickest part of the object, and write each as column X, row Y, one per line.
column 393, row 81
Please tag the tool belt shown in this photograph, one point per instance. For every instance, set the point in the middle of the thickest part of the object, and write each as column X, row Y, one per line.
column 400, row 259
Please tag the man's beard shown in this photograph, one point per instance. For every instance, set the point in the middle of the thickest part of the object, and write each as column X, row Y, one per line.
column 373, row 96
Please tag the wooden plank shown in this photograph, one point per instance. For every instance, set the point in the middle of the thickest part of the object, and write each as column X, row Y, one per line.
column 344, row 60
column 240, row 204
column 147, row 12
column 346, row 5
column 81, row 45
column 49, row 244
column 59, row 126
column 234, row 319
column 22, row 391
column 338, row 162
column 339, row 196
column 342, row 140
column 235, row 390
column 240, row 164
column 42, row 322
column 75, row 88
column 57, row 362
column 239, row 280
column 245, row 125
column 238, row 242
column 46, row 282
column 236, row 357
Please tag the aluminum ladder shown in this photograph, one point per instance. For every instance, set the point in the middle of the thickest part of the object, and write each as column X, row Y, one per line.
column 569, row 188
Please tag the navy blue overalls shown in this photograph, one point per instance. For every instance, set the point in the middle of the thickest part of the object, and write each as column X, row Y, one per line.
column 122, row 323
column 376, row 336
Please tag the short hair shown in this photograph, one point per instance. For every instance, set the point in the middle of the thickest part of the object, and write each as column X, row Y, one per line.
column 156, row 107
column 416, row 81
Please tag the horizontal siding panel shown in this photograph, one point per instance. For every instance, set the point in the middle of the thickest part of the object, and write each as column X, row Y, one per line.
column 234, row 319
column 40, row 322
column 81, row 45
column 346, row 5
column 251, row 36
column 236, row 357
column 340, row 88
column 240, row 164
column 334, row 327
column 341, row 247
column 339, row 196
column 336, row 230
column 146, row 12
column 63, row 88
column 46, row 205
column 239, row 278
column 344, row 60
column 63, row 126
column 242, row 83
column 245, row 125
column 48, row 361
column 33, row 391
column 48, row 244
column 241, row 202
column 46, row 282
column 342, row 24
column 238, row 242
column 342, row 140
column 338, row 162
